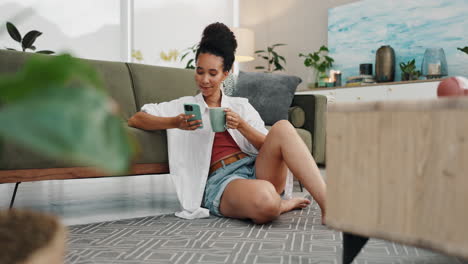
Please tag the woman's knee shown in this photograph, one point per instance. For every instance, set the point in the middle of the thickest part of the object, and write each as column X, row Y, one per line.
column 267, row 204
column 282, row 127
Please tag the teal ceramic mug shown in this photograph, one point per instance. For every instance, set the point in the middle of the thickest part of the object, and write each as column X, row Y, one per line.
column 218, row 119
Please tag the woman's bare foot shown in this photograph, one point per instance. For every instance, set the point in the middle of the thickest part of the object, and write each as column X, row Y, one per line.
column 294, row 203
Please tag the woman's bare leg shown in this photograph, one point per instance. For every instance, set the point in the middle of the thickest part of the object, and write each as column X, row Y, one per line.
column 256, row 200
column 283, row 148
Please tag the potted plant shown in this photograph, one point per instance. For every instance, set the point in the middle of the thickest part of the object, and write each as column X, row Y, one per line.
column 190, row 52
column 272, row 58
column 320, row 63
column 27, row 42
column 408, row 71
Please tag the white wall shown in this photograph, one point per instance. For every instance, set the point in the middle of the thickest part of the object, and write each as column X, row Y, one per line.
column 91, row 28
column 86, row 28
column 301, row 24
column 175, row 24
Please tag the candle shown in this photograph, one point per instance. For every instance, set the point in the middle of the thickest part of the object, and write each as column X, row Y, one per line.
column 332, row 75
column 337, row 78
column 433, row 69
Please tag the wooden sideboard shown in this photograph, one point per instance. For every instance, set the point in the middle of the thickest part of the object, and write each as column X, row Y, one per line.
column 396, row 170
column 379, row 92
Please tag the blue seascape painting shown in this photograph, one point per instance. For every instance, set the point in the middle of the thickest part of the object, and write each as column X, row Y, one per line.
column 357, row 30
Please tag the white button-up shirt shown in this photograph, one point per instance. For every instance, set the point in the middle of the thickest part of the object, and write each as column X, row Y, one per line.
column 190, row 151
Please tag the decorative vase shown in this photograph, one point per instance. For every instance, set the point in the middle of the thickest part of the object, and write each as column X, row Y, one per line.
column 434, row 63
column 385, row 64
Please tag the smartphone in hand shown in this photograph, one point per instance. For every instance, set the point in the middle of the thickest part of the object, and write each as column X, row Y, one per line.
column 193, row 109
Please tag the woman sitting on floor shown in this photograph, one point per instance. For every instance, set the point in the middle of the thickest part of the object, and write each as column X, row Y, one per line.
column 254, row 162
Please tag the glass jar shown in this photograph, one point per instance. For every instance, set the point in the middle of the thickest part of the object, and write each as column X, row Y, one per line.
column 434, row 64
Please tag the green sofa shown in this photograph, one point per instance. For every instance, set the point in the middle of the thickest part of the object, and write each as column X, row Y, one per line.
column 133, row 85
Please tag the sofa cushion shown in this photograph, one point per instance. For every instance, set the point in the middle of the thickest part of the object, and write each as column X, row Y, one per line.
column 152, row 144
column 118, row 84
column 115, row 76
column 270, row 94
column 12, row 61
column 155, row 84
column 16, row 157
column 296, row 116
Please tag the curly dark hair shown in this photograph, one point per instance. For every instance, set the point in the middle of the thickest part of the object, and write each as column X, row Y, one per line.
column 218, row 39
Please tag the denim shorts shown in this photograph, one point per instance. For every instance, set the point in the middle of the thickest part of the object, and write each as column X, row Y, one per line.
column 219, row 179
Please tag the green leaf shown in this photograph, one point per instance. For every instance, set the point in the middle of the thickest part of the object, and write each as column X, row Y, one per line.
column 322, row 67
column 194, row 48
column 189, row 64
column 45, row 52
column 259, row 51
column 74, row 124
column 316, row 57
column 13, row 31
column 323, row 48
column 41, row 72
column 465, row 49
column 279, row 44
column 259, row 68
column 274, row 53
column 278, row 67
column 409, row 68
column 183, row 56
column 282, row 58
column 276, row 59
column 265, row 57
column 30, row 38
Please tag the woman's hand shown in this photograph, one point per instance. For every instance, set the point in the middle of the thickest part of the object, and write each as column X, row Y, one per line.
column 184, row 124
column 233, row 120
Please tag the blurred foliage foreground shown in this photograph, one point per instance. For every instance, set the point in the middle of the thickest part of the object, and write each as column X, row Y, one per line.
column 56, row 106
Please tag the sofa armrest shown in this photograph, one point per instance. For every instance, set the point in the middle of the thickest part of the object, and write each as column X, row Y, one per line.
column 315, row 108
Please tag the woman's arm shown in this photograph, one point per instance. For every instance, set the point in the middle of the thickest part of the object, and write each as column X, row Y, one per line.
column 234, row 121
column 146, row 121
column 251, row 134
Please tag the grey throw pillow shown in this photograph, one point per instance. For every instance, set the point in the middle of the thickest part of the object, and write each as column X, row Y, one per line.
column 270, row 94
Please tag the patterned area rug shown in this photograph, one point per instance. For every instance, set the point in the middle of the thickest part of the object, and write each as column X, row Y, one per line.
column 296, row 237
